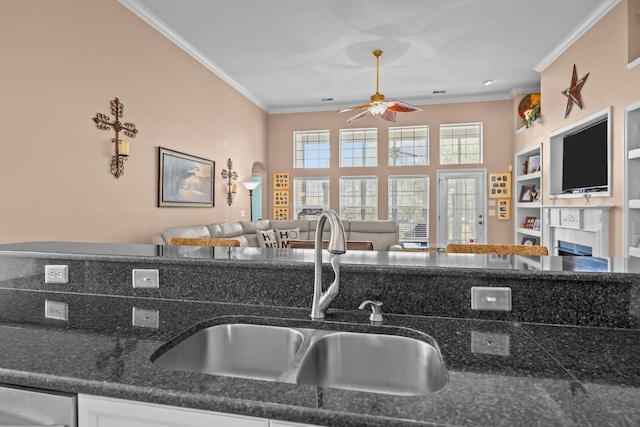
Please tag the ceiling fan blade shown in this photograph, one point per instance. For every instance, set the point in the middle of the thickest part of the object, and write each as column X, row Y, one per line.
column 402, row 107
column 358, row 116
column 388, row 115
column 359, row 107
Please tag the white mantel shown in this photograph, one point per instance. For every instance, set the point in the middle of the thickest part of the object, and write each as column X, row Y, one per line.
column 582, row 225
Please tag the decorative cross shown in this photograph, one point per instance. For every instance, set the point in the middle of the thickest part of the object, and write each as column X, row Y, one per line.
column 103, row 122
column 230, row 175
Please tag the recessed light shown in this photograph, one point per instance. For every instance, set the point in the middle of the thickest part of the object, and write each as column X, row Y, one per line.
column 488, row 82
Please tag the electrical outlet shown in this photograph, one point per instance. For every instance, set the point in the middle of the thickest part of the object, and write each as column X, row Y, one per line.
column 56, row 274
column 490, row 298
column 494, row 344
column 145, row 278
column 146, row 318
column 56, row 310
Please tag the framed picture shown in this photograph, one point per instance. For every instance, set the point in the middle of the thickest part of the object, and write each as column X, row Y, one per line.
column 500, row 185
column 527, row 193
column 185, row 180
column 536, row 225
column 530, row 221
column 529, row 240
column 504, row 209
column 533, row 164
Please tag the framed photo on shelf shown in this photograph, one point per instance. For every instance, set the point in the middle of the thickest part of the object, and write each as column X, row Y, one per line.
column 536, row 225
column 500, row 185
column 527, row 193
column 529, row 240
column 533, row 164
column 530, row 221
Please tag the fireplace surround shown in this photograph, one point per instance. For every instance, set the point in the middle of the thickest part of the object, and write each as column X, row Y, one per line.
column 576, row 230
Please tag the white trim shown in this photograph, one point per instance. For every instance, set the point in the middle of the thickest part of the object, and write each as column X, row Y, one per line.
column 633, row 63
column 147, row 16
column 577, row 32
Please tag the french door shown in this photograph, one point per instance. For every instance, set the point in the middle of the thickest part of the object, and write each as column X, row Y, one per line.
column 461, row 206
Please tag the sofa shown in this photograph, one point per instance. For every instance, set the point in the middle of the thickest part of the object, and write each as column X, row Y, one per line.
column 277, row 233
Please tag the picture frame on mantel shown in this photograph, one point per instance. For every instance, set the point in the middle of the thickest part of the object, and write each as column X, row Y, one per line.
column 185, row 180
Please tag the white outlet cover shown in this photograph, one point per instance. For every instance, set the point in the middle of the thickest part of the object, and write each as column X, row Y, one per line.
column 56, row 310
column 56, row 274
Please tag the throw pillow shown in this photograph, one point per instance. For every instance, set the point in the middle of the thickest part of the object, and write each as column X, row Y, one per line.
column 286, row 236
column 266, row 239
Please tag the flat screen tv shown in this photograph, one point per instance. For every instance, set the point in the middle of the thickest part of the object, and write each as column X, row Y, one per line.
column 585, row 160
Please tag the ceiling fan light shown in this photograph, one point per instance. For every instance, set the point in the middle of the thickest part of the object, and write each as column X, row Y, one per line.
column 377, row 108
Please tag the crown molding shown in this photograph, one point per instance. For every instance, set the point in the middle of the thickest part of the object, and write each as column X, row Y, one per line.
column 577, row 32
column 147, row 16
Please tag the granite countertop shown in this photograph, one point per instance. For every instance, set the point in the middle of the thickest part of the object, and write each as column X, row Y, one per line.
column 383, row 259
column 500, row 373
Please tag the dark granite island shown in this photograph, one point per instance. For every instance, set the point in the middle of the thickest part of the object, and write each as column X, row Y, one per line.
column 567, row 354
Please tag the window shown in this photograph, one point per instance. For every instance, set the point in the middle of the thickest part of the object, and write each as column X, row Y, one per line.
column 358, row 148
column 359, row 198
column 409, row 206
column 311, row 149
column 461, row 144
column 310, row 197
column 409, row 146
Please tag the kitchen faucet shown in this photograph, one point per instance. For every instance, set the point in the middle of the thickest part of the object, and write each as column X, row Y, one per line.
column 337, row 246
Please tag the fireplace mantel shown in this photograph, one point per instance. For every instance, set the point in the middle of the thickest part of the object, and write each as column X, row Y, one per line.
column 581, row 225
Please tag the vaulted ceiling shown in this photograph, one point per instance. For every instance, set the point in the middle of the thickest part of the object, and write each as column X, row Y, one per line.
column 297, row 55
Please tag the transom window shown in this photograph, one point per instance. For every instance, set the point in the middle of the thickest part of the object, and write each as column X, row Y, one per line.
column 409, row 146
column 311, row 149
column 358, row 148
column 409, row 206
column 359, row 198
column 461, row 144
column 310, row 197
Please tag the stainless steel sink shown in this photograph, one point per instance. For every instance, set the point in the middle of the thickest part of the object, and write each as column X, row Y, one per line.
column 370, row 362
column 238, row 350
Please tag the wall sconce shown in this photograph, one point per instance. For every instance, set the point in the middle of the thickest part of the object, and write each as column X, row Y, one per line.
column 102, row 121
column 251, row 185
column 231, row 176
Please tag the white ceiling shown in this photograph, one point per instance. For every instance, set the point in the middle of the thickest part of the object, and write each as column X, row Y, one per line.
column 287, row 55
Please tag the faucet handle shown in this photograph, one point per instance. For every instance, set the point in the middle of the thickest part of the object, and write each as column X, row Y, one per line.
column 376, row 310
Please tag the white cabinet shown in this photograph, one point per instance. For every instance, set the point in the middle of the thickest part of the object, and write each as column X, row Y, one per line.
column 95, row 411
column 632, row 180
column 528, row 175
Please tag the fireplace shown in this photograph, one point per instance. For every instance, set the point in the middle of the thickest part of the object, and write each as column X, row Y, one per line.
column 573, row 249
column 576, row 230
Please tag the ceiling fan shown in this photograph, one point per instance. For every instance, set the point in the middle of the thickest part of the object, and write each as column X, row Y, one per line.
column 378, row 107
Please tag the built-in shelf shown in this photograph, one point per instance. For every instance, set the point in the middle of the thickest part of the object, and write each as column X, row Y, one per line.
column 528, row 177
column 631, row 178
column 527, row 209
column 530, row 231
column 634, row 154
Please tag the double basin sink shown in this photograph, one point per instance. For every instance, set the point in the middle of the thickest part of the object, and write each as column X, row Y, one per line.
column 372, row 362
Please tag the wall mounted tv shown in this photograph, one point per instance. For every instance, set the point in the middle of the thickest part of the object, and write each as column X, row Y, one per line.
column 580, row 158
column 585, row 166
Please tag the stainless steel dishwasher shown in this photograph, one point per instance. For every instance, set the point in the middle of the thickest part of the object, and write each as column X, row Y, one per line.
column 23, row 406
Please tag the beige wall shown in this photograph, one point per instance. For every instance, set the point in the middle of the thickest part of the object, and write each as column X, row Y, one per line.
column 65, row 60
column 602, row 52
column 498, row 129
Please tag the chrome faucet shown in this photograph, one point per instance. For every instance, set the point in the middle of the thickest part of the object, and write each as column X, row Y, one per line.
column 337, row 246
